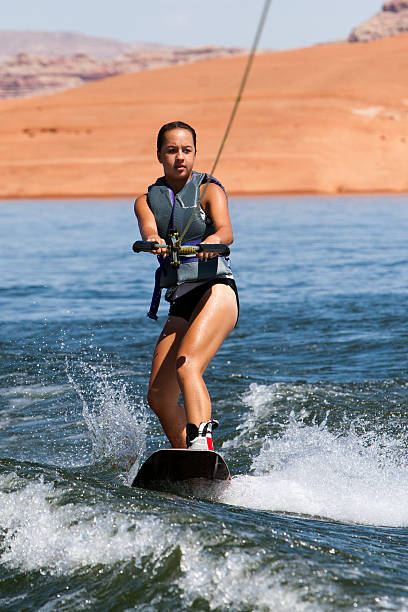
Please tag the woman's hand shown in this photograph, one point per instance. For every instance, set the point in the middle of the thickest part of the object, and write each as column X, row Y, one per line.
column 213, row 239
column 161, row 251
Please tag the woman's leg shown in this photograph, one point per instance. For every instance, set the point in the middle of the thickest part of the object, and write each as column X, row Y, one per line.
column 213, row 319
column 164, row 390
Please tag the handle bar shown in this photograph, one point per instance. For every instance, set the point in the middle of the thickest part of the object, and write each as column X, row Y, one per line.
column 147, row 247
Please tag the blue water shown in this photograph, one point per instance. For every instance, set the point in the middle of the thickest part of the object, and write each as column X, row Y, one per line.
column 311, row 390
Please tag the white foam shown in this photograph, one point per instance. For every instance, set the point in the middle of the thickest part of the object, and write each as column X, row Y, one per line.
column 41, row 534
column 307, row 469
column 116, row 425
column 263, row 402
column 235, row 579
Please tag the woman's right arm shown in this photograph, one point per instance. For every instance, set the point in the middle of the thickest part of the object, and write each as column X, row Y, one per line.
column 147, row 223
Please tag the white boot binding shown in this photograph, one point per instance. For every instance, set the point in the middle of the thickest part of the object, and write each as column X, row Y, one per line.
column 200, row 438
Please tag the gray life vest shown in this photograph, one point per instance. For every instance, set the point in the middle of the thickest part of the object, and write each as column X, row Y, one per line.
column 172, row 212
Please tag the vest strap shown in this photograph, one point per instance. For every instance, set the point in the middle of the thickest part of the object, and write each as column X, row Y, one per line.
column 155, row 303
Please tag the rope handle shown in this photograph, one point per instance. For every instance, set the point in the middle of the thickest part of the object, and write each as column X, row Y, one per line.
column 143, row 246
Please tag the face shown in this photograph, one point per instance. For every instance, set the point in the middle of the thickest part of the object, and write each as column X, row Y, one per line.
column 177, row 154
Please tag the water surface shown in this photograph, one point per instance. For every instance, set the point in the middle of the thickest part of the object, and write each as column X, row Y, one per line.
column 311, row 390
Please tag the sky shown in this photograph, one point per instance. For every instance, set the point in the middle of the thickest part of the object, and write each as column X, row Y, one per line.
column 291, row 23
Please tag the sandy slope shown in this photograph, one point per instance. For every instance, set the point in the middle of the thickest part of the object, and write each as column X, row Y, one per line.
column 329, row 119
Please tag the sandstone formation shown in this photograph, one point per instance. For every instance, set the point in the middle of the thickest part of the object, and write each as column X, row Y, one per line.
column 30, row 75
column 325, row 119
column 66, row 44
column 392, row 20
column 395, row 6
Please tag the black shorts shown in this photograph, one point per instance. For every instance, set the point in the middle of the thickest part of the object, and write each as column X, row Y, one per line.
column 184, row 306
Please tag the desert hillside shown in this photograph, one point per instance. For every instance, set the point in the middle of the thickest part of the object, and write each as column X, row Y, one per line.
column 326, row 119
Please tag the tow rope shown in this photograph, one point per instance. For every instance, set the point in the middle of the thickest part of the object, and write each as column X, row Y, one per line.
column 177, row 242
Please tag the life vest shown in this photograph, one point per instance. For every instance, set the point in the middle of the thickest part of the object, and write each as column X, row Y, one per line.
column 172, row 212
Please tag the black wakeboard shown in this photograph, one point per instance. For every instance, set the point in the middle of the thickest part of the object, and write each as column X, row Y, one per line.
column 169, row 468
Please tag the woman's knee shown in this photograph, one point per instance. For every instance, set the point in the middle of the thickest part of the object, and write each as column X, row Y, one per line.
column 186, row 367
column 161, row 399
column 155, row 399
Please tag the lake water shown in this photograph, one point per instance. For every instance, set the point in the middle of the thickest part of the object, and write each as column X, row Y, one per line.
column 311, row 391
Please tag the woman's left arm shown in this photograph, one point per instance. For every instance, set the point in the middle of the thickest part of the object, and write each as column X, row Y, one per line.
column 215, row 205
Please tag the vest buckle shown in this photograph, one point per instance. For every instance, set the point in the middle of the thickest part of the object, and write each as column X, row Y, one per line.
column 174, row 244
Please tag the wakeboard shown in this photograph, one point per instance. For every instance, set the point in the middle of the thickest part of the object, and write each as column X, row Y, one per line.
column 182, row 470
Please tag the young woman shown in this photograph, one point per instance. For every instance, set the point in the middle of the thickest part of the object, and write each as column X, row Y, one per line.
column 202, row 293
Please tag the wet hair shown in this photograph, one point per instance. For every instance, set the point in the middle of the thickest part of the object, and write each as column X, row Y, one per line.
column 175, row 125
